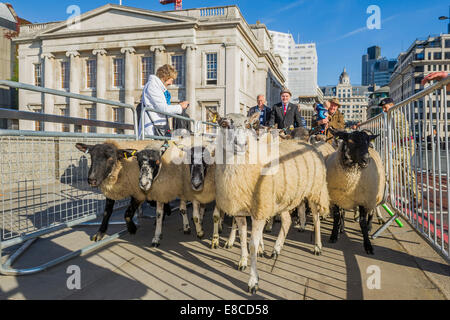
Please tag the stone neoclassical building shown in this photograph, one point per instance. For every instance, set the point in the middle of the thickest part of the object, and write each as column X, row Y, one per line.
column 222, row 61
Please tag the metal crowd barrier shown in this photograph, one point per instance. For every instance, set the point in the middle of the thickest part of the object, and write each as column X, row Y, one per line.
column 43, row 179
column 414, row 146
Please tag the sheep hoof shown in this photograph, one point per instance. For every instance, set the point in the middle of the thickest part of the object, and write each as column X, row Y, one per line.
column 242, row 264
column 253, row 289
column 200, row 234
column 357, row 219
column 333, row 238
column 317, row 250
column 98, row 236
column 260, row 252
column 156, row 242
column 381, row 221
column 220, row 229
column 228, row 245
column 131, row 227
column 369, row 249
column 187, row 231
column 215, row 244
column 301, row 229
column 274, row 255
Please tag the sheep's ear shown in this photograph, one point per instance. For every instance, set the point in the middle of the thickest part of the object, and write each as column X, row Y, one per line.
column 373, row 137
column 83, row 147
column 126, row 153
column 180, row 146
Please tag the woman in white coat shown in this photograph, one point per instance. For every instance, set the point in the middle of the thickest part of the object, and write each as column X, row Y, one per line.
column 155, row 95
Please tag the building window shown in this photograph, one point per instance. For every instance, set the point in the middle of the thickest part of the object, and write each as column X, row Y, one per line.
column 178, row 64
column 147, row 69
column 91, row 74
column 38, row 75
column 65, row 113
column 117, row 117
column 118, row 73
column 211, row 68
column 90, row 113
column 437, row 56
column 65, row 74
column 38, row 125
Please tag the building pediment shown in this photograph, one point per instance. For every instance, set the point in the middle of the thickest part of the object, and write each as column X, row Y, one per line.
column 117, row 17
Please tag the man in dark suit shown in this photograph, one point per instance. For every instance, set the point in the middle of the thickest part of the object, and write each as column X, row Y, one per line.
column 265, row 111
column 286, row 114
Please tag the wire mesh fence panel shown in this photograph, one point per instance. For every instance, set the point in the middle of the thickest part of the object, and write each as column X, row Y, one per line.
column 43, row 183
column 414, row 146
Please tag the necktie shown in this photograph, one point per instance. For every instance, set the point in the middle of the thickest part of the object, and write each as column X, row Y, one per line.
column 284, row 109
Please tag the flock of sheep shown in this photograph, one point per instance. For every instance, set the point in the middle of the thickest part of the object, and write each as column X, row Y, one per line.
column 293, row 172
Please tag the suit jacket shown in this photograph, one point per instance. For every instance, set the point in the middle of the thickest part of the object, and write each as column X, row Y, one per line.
column 267, row 113
column 292, row 117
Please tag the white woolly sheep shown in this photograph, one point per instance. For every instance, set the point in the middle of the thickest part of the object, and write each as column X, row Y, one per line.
column 243, row 190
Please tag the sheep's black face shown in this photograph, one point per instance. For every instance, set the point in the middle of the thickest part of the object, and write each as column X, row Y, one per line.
column 198, row 166
column 103, row 160
column 150, row 166
column 355, row 149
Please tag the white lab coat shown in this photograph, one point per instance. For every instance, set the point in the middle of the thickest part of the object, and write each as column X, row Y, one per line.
column 153, row 97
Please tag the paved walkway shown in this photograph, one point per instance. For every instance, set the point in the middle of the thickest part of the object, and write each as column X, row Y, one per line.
column 186, row 268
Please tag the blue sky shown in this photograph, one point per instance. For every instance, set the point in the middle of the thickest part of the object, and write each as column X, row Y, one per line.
column 338, row 27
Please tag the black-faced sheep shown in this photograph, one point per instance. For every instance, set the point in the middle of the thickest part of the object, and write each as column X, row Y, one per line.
column 266, row 187
column 356, row 179
column 116, row 172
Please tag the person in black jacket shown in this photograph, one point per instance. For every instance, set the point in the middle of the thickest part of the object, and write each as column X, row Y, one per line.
column 264, row 110
column 286, row 114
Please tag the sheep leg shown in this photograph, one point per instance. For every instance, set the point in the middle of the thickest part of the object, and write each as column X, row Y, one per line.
column 317, row 236
column 183, row 211
column 129, row 214
column 106, row 216
column 242, row 225
column 269, row 225
column 222, row 217
column 342, row 221
column 301, row 210
column 285, row 225
column 216, row 219
column 202, row 213
column 159, row 220
column 336, row 219
column 196, row 215
column 363, row 224
column 369, row 221
column 379, row 216
column 232, row 237
column 257, row 234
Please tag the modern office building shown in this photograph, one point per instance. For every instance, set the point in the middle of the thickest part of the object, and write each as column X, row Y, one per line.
column 422, row 57
column 376, row 70
column 354, row 99
column 223, row 62
column 299, row 65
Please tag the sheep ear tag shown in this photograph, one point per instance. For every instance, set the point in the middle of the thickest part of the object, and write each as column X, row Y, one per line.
column 126, row 153
column 164, row 148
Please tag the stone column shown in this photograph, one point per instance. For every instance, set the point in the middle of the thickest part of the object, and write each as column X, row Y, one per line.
column 129, row 83
column 159, row 56
column 233, row 63
column 190, row 80
column 74, row 86
column 49, row 100
column 103, row 112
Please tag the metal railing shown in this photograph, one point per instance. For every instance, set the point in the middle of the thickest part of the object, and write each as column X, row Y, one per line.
column 414, row 147
column 43, row 178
